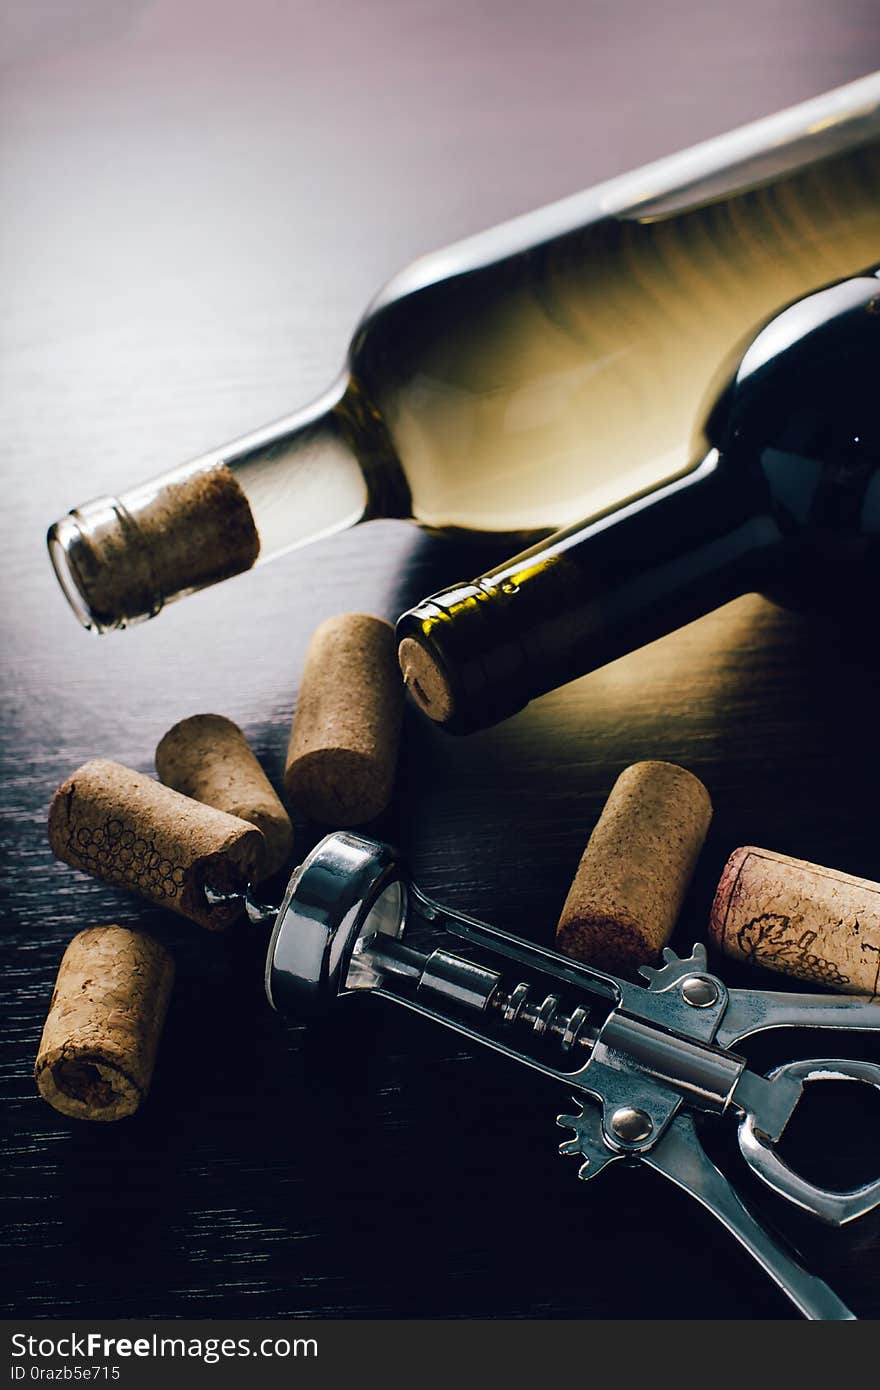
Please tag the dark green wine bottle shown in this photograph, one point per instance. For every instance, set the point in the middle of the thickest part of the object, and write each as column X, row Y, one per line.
column 784, row 498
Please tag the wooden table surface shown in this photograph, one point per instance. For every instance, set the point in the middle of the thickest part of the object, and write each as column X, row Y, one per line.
column 199, row 198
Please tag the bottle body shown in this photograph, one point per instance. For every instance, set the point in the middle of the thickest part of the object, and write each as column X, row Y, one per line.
column 565, row 378
column 784, row 497
column 542, row 372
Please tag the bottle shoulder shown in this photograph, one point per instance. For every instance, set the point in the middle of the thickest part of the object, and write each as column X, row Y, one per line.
column 798, row 411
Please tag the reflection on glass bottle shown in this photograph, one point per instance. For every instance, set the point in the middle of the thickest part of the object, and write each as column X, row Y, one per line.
column 536, row 374
column 784, row 497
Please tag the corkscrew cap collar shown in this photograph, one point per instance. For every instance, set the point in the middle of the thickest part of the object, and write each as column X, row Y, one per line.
column 345, row 891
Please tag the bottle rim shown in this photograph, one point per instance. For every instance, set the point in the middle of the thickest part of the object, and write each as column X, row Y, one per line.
column 74, row 543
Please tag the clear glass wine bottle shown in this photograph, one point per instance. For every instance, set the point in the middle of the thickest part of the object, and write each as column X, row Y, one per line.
column 537, row 374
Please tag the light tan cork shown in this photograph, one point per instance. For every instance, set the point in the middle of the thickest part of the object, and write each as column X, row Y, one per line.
column 425, row 681
column 130, row 555
column 800, row 919
column 630, row 884
column 346, row 730
column 96, row 1055
column 126, row 829
column 208, row 758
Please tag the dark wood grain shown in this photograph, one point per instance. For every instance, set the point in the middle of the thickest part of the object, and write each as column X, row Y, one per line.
column 198, row 200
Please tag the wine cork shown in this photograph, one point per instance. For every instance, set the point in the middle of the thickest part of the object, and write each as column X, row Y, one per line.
column 800, row 919
column 425, row 681
column 208, row 758
column 346, row 730
column 637, row 866
column 128, row 556
column 126, row 829
column 96, row 1055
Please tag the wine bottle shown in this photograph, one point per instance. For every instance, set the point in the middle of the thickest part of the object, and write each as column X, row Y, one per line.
column 784, row 497
column 535, row 374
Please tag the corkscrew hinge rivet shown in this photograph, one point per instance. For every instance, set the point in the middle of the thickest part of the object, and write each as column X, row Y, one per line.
column 631, row 1124
column 699, row 992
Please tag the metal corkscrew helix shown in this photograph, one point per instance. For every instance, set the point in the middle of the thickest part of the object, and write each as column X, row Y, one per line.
column 640, row 1060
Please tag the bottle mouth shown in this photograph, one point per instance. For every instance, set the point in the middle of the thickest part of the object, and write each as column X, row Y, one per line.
column 102, row 567
column 62, row 540
column 464, row 667
column 120, row 560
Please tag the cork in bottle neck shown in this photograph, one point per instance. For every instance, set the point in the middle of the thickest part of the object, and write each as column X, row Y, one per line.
column 461, row 663
column 103, row 567
column 119, row 560
column 426, row 681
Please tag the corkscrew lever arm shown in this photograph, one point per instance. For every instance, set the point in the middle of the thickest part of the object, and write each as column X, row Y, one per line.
column 680, row 1157
column 752, row 1011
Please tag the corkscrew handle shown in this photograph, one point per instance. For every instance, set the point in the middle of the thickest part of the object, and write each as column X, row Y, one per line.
column 681, row 1158
column 835, row 1208
column 751, row 1011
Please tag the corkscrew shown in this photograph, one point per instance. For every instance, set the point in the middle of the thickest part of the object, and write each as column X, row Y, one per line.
column 641, row 1061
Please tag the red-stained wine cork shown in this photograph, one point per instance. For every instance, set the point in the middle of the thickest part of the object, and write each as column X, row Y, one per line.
column 346, row 730
column 637, row 866
column 96, row 1055
column 123, row 827
column 800, row 919
column 208, row 758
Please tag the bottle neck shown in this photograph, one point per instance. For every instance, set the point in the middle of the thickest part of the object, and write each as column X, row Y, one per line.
column 300, row 476
column 327, row 467
column 478, row 652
